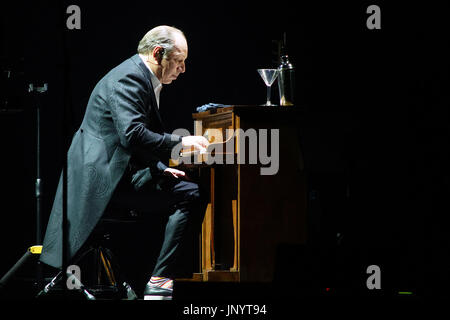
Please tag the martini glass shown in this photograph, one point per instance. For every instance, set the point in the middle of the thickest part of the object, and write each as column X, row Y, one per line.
column 268, row 76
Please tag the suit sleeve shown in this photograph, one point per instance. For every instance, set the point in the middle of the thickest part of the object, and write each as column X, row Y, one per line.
column 129, row 113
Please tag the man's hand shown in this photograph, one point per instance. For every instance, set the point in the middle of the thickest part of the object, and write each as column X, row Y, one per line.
column 199, row 143
column 171, row 172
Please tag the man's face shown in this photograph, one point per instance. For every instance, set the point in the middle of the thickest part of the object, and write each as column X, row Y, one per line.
column 174, row 64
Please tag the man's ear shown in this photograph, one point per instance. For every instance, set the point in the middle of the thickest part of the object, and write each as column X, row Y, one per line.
column 158, row 54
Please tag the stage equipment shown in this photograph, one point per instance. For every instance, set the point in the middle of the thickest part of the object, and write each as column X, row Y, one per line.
column 33, row 251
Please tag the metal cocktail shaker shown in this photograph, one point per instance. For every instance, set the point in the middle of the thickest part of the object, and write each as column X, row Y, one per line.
column 286, row 81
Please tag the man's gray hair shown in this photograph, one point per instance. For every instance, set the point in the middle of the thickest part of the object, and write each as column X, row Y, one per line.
column 161, row 36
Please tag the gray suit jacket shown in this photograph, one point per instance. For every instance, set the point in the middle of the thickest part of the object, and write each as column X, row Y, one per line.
column 121, row 120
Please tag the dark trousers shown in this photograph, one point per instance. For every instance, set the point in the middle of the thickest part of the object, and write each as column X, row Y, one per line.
column 184, row 202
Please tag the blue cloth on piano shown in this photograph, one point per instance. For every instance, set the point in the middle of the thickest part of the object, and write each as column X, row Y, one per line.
column 210, row 106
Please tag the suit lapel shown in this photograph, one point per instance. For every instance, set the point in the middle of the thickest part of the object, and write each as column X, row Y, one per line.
column 154, row 105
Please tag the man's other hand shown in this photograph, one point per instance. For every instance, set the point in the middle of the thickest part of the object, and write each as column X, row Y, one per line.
column 171, row 172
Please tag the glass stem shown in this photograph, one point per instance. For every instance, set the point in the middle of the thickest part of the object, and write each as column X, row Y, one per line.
column 268, row 95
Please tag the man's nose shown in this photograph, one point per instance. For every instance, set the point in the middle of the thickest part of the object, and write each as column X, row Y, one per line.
column 182, row 68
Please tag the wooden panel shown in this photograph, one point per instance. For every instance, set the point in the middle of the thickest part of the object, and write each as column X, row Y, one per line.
column 273, row 207
column 221, row 275
column 236, row 232
column 208, row 259
column 224, row 227
column 222, row 121
column 250, row 214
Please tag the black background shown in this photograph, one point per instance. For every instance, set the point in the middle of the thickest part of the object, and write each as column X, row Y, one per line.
column 374, row 128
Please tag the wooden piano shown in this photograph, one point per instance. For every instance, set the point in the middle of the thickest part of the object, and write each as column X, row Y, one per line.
column 249, row 213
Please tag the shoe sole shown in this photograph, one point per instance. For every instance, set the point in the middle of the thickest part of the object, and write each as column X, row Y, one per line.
column 154, row 297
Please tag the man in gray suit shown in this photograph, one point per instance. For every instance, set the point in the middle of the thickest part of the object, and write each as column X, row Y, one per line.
column 121, row 149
